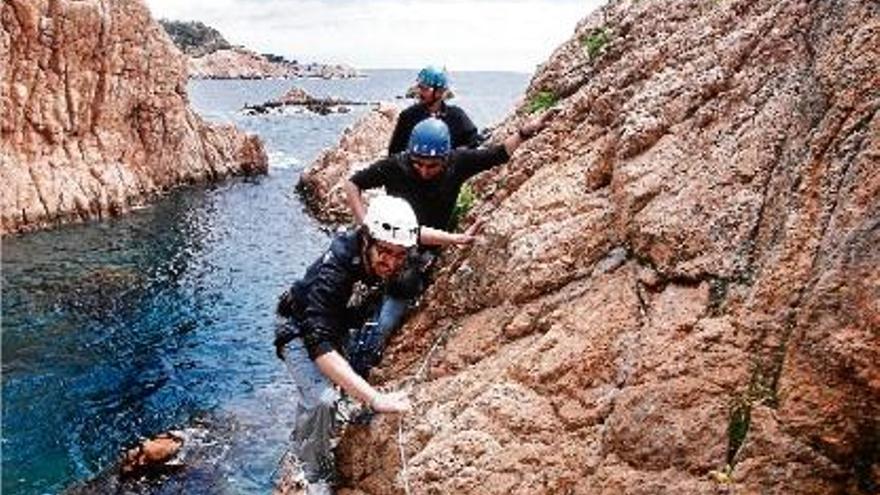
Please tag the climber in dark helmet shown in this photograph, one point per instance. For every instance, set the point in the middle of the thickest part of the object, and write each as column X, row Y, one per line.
column 429, row 176
column 432, row 90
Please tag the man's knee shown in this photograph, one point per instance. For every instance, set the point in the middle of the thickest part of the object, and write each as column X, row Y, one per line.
column 391, row 315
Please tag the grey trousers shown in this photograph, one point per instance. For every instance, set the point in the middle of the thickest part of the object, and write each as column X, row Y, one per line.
column 315, row 422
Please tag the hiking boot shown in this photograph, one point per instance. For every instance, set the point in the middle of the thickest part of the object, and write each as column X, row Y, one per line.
column 351, row 412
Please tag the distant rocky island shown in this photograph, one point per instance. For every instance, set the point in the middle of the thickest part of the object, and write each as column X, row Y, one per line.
column 210, row 56
column 299, row 100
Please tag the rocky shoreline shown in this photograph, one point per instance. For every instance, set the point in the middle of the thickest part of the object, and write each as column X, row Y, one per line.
column 320, row 184
column 94, row 124
column 210, row 56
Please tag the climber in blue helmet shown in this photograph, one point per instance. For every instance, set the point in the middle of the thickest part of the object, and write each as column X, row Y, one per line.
column 429, row 176
column 433, row 87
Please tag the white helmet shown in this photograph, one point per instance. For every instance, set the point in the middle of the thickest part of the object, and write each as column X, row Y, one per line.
column 391, row 219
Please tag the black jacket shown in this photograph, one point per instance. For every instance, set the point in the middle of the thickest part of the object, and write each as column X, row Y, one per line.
column 462, row 132
column 433, row 201
column 318, row 303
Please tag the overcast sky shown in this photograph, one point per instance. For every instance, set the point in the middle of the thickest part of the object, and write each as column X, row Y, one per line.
column 462, row 35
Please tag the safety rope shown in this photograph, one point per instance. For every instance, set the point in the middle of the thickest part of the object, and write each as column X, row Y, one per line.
column 409, row 383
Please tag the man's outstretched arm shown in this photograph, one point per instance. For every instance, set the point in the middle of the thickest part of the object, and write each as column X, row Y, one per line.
column 435, row 237
column 529, row 129
column 337, row 369
column 355, row 201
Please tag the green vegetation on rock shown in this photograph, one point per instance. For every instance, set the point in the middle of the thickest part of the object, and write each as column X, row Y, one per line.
column 542, row 101
column 463, row 205
column 194, row 38
column 594, row 42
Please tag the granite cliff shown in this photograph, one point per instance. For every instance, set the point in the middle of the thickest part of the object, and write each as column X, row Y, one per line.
column 360, row 145
column 94, row 116
column 679, row 288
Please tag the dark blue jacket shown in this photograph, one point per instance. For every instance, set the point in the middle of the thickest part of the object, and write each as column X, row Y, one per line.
column 318, row 303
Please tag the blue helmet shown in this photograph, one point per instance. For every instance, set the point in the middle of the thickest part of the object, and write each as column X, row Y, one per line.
column 429, row 138
column 433, row 77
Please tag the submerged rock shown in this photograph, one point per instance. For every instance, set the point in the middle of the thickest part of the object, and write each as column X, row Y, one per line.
column 94, row 115
column 191, row 461
column 678, row 288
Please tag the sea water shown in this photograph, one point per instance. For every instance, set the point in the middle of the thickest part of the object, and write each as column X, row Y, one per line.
column 123, row 328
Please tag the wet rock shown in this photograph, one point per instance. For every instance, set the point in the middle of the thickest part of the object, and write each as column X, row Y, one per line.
column 360, row 145
column 200, row 464
column 730, row 150
column 94, row 115
column 298, row 98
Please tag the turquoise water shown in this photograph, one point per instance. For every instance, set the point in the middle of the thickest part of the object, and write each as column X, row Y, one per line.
column 163, row 318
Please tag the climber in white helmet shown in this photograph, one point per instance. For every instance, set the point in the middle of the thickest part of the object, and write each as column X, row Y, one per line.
column 316, row 316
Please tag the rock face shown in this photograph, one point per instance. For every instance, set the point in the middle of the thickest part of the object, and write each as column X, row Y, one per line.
column 679, row 290
column 94, row 114
column 361, row 144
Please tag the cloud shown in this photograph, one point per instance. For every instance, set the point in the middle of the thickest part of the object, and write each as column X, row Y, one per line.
column 463, row 35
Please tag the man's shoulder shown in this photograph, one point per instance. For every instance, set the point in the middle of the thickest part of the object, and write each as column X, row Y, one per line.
column 412, row 111
column 345, row 249
column 477, row 156
column 393, row 162
column 456, row 112
column 455, row 109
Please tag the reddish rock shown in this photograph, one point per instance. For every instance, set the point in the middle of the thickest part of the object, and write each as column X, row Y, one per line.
column 233, row 63
column 296, row 96
column 361, row 144
column 774, row 462
column 95, row 116
column 678, row 288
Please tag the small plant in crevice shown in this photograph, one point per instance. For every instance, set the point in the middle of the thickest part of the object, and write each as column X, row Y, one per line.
column 595, row 41
column 737, row 428
column 761, row 391
column 542, row 101
column 463, row 205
